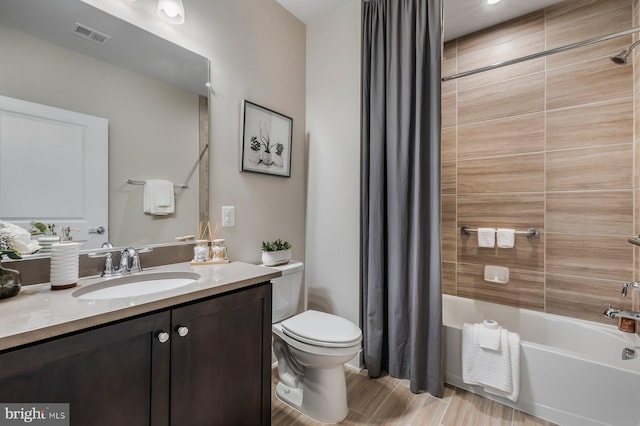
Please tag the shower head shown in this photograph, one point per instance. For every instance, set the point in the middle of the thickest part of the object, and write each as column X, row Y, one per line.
column 621, row 58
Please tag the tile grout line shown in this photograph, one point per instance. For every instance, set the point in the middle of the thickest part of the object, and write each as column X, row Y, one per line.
column 447, row 408
column 384, row 400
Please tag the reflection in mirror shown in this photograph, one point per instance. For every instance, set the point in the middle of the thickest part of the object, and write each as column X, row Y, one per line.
column 151, row 93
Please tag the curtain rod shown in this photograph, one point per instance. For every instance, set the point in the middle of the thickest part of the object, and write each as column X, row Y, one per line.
column 545, row 53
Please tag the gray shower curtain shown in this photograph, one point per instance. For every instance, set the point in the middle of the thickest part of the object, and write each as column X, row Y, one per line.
column 400, row 206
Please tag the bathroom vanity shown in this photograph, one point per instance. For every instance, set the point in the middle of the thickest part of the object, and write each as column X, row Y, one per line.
column 198, row 355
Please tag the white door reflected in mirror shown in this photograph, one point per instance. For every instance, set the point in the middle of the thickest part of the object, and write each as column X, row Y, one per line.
column 54, row 168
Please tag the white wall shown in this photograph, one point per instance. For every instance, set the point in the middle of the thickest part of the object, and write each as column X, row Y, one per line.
column 257, row 52
column 333, row 134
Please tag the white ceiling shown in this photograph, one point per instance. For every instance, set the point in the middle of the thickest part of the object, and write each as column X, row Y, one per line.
column 460, row 16
column 466, row 16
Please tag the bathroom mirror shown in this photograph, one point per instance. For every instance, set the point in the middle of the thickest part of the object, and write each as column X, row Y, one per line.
column 72, row 56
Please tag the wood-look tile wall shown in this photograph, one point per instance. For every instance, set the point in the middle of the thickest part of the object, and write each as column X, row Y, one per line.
column 551, row 144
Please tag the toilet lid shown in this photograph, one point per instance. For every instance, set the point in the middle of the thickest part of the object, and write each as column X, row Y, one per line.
column 322, row 329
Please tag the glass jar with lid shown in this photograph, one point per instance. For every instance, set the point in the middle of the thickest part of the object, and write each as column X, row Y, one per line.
column 201, row 251
column 218, row 250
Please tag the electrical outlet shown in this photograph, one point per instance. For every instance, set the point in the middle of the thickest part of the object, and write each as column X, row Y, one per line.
column 228, row 216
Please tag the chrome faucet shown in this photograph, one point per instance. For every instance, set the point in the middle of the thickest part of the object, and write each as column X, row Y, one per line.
column 129, row 262
column 127, row 257
column 614, row 313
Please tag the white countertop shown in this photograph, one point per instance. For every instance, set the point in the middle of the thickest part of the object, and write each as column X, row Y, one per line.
column 38, row 312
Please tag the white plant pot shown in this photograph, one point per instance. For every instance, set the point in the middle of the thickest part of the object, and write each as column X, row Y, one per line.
column 274, row 258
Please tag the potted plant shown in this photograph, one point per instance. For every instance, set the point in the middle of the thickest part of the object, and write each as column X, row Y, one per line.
column 276, row 252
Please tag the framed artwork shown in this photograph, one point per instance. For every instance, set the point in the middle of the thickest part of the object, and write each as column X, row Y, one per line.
column 266, row 141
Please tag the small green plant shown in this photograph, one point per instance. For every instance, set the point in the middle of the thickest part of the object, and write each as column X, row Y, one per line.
column 275, row 245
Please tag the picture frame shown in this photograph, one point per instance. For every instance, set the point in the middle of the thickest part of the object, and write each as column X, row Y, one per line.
column 266, row 140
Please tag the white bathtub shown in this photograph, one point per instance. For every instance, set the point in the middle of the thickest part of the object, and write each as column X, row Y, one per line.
column 571, row 371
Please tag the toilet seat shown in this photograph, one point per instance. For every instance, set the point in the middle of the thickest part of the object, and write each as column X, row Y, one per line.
column 322, row 329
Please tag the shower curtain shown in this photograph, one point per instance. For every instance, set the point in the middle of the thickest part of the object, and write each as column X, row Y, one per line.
column 400, row 205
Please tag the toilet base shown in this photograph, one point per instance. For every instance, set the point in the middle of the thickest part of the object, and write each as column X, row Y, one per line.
column 322, row 395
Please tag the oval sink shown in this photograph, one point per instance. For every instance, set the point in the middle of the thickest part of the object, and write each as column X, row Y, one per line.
column 136, row 285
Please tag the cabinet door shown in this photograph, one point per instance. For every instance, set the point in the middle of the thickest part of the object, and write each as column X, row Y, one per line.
column 112, row 375
column 220, row 370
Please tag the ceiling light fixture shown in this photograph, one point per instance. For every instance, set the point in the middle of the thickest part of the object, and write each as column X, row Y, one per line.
column 171, row 11
column 493, row 1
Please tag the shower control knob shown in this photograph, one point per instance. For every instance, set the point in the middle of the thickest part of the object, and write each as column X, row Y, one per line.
column 182, row 330
column 163, row 336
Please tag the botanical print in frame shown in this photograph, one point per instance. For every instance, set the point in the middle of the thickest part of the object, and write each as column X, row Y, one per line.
column 266, row 141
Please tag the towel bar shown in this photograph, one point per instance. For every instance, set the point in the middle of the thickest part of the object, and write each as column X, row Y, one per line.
column 530, row 233
column 139, row 182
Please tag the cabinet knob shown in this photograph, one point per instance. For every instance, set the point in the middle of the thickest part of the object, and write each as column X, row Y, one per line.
column 163, row 336
column 182, row 330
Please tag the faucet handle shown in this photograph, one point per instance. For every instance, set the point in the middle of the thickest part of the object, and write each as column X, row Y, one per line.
column 136, row 266
column 610, row 312
column 108, row 266
column 108, row 270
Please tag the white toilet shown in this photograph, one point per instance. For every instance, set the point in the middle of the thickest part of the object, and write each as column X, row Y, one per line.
column 311, row 348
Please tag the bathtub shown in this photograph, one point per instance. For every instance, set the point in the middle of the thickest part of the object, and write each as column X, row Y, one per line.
column 571, row 371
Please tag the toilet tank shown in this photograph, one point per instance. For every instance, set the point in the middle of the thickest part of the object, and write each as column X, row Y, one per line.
column 286, row 291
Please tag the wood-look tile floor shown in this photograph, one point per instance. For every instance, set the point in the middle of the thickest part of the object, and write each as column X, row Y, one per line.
column 388, row 401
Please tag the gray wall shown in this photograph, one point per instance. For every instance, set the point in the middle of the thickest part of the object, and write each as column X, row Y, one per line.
column 153, row 128
column 257, row 52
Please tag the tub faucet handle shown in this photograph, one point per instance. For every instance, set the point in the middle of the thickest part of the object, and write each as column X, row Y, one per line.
column 610, row 312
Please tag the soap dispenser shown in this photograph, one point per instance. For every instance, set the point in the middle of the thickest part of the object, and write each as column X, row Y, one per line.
column 66, row 234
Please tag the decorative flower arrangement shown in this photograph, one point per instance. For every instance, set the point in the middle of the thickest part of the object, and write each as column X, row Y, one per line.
column 16, row 241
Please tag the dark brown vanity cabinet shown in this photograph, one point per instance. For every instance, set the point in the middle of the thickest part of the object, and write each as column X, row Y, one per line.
column 212, row 367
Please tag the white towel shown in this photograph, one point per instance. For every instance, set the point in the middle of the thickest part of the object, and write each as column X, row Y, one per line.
column 489, row 335
column 506, row 237
column 497, row 371
column 158, row 197
column 486, row 237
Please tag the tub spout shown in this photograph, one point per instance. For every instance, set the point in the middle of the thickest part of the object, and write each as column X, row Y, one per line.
column 613, row 313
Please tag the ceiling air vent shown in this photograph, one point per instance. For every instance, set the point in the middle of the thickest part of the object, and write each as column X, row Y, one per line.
column 93, row 35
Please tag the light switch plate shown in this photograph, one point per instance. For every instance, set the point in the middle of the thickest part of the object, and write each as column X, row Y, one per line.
column 228, row 216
